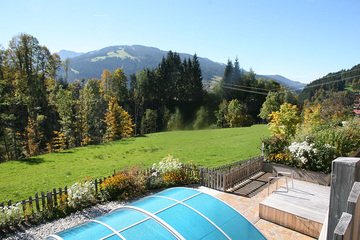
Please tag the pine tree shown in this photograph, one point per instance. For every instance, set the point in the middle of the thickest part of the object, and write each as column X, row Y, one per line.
column 229, row 71
column 196, row 85
column 148, row 122
column 91, row 112
column 237, row 74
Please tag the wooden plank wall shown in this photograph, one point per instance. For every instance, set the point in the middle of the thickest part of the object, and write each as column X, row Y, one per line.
column 227, row 176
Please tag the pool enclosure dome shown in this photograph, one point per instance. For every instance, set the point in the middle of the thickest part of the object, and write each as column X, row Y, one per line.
column 175, row 213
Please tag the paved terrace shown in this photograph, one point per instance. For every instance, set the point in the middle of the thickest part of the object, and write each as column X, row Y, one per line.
column 249, row 207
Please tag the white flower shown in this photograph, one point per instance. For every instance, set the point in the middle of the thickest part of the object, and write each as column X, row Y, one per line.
column 81, row 193
column 167, row 164
column 302, row 150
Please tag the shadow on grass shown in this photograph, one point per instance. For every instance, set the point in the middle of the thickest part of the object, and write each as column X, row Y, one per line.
column 141, row 136
column 31, row 161
column 64, row 152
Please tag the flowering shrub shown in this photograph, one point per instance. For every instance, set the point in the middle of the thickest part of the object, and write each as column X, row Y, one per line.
column 282, row 157
column 81, row 194
column 312, row 155
column 167, row 164
column 275, row 149
column 10, row 215
column 124, row 185
column 302, row 151
column 170, row 172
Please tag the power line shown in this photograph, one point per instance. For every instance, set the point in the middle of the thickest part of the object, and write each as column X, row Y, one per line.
column 245, row 90
column 334, row 81
column 240, row 87
column 243, row 86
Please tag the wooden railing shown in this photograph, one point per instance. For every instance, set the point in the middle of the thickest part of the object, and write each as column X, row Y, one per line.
column 48, row 201
column 225, row 177
column 348, row 227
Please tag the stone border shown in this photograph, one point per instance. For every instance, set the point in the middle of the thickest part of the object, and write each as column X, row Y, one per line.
column 300, row 174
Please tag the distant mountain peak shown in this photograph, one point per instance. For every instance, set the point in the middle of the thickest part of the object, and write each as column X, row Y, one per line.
column 64, row 54
column 294, row 85
column 133, row 58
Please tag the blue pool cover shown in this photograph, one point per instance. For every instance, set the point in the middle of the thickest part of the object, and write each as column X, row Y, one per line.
column 175, row 213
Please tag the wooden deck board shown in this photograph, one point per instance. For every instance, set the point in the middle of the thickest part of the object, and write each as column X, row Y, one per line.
column 253, row 185
column 305, row 202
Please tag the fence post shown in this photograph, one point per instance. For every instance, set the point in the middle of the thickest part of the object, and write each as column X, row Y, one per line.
column 43, row 201
column 31, row 206
column 61, row 198
column 49, row 200
column 55, row 197
column 37, row 202
column 23, row 205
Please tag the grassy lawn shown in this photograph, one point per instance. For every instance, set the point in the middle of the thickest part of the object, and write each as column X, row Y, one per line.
column 210, row 148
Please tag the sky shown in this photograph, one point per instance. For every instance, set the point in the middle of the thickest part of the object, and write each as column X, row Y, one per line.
column 299, row 39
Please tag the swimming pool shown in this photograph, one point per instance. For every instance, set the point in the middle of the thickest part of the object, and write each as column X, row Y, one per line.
column 175, row 213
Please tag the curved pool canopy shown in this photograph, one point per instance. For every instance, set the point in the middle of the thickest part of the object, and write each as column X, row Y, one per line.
column 175, row 213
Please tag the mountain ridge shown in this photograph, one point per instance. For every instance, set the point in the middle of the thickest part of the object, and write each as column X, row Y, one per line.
column 133, row 58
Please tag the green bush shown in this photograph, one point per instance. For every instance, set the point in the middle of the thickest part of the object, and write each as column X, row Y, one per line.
column 201, row 120
column 124, row 185
column 275, row 149
column 148, row 121
column 345, row 138
column 175, row 122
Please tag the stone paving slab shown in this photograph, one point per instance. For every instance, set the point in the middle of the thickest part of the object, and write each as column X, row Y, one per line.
column 276, row 232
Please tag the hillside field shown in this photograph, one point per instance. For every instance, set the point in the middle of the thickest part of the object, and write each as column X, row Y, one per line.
column 214, row 147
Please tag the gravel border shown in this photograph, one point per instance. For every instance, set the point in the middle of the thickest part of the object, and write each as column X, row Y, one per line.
column 44, row 230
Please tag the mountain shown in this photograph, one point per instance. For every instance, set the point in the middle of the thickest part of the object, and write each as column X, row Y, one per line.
column 130, row 58
column 64, row 54
column 294, row 85
column 137, row 57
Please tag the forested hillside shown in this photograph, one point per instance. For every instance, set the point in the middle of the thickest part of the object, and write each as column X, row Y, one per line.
column 42, row 112
column 333, row 82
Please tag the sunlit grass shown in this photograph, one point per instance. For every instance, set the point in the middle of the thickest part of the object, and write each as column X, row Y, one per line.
column 21, row 179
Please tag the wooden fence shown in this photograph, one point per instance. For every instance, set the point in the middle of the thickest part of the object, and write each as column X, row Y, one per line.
column 227, row 176
column 46, row 201
column 348, row 227
column 58, row 196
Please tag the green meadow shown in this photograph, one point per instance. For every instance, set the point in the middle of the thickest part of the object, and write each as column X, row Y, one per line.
column 210, row 148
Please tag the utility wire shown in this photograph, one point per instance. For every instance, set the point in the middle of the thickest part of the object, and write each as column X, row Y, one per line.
column 243, row 86
column 240, row 87
column 245, row 90
column 334, row 81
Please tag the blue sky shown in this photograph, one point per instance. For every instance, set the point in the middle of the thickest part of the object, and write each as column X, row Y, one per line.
column 299, row 39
